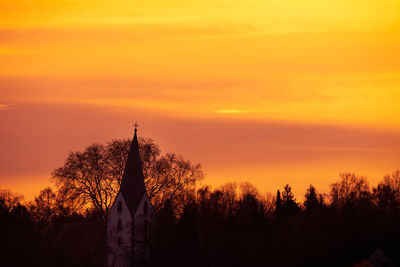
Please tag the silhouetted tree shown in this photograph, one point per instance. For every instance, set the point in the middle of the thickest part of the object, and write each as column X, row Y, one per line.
column 228, row 198
column 9, row 200
column 313, row 201
column 393, row 180
column 174, row 179
column 278, row 204
column 287, row 194
column 352, row 191
column 16, row 230
column 289, row 205
column 251, row 210
column 44, row 207
column 247, row 188
column 387, row 193
column 86, row 179
column 91, row 178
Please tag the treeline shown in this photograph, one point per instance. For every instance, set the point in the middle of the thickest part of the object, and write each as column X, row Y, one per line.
column 241, row 227
column 230, row 226
column 234, row 225
column 44, row 232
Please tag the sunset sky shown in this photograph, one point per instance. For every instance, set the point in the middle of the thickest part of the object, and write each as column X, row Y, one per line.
column 271, row 92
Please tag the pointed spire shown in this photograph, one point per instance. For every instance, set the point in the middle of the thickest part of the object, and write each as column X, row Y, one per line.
column 132, row 184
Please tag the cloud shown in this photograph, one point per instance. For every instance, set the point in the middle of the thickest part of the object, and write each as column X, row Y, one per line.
column 232, row 111
column 6, row 107
column 366, row 100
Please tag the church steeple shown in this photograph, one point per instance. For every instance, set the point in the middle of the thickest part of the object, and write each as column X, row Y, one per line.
column 132, row 184
column 132, row 219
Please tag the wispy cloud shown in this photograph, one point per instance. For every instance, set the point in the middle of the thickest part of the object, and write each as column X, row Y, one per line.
column 4, row 107
column 232, row 111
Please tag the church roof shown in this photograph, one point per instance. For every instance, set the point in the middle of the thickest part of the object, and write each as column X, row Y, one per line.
column 132, row 184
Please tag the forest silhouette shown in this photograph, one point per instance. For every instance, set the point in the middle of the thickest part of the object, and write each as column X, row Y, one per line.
column 233, row 225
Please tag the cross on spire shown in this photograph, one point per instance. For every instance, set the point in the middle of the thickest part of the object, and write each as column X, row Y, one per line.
column 136, row 125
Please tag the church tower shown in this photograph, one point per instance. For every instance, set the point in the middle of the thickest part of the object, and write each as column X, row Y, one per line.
column 131, row 218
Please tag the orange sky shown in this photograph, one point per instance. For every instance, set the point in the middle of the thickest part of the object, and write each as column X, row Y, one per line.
column 273, row 92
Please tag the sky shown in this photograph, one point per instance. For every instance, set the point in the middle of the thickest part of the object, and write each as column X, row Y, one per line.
column 273, row 92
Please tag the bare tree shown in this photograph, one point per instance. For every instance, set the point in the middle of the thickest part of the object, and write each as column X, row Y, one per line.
column 229, row 197
column 44, row 207
column 247, row 188
column 86, row 179
column 387, row 194
column 9, row 200
column 350, row 191
column 172, row 178
column 268, row 200
column 91, row 178
column 392, row 180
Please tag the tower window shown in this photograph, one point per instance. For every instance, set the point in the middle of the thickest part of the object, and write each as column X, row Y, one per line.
column 119, row 225
column 119, row 207
column 119, row 242
column 145, row 207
